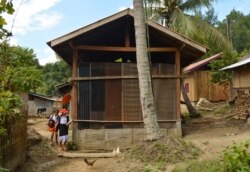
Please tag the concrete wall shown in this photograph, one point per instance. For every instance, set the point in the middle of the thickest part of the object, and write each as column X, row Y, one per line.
column 34, row 105
column 108, row 139
column 13, row 146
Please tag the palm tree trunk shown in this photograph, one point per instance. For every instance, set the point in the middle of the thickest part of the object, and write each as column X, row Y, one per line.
column 192, row 111
column 146, row 92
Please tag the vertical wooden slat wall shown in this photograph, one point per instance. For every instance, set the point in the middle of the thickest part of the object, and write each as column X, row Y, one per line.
column 113, row 92
column 97, row 94
column 209, row 90
column 130, row 94
column 119, row 99
column 84, row 105
column 165, row 93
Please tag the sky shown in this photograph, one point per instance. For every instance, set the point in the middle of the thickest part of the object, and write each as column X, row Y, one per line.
column 36, row 22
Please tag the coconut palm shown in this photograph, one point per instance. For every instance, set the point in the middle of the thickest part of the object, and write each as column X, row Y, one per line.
column 145, row 85
column 176, row 15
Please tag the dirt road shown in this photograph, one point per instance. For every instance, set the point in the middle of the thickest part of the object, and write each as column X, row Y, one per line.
column 211, row 139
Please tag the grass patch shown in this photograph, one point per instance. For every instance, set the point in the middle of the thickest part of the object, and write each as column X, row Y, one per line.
column 198, row 166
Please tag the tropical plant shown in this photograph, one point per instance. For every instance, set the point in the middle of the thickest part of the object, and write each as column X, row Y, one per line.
column 6, row 6
column 19, row 69
column 237, row 157
column 18, row 73
column 176, row 16
column 145, row 84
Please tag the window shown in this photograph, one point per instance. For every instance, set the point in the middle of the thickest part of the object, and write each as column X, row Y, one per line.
column 187, row 87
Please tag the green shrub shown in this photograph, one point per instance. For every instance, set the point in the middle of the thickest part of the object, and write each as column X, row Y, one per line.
column 236, row 158
column 72, row 146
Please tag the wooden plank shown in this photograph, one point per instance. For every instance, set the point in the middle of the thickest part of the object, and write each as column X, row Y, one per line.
column 89, row 155
column 113, row 95
column 102, row 121
column 123, row 49
column 123, row 77
column 178, row 89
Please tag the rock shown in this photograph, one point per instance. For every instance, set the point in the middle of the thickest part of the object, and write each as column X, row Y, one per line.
column 33, row 137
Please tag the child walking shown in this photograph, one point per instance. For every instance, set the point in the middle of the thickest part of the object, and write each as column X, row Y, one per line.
column 64, row 123
column 53, row 126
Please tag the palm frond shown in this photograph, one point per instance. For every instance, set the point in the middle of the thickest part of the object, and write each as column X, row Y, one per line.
column 191, row 5
column 211, row 34
column 181, row 23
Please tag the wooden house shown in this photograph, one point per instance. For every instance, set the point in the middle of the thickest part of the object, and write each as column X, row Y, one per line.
column 197, row 82
column 105, row 105
column 241, row 75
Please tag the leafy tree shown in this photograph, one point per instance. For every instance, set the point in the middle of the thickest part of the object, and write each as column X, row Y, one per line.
column 18, row 73
column 236, row 27
column 6, row 6
column 19, row 69
column 53, row 75
column 143, row 66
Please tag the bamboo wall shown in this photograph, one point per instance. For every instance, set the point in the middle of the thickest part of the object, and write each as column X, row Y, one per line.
column 118, row 99
column 200, row 86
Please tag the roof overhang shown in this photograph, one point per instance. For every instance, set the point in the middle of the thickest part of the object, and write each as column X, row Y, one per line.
column 108, row 32
column 197, row 65
column 236, row 65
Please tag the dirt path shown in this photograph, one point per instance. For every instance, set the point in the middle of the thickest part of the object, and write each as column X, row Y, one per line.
column 211, row 139
column 214, row 139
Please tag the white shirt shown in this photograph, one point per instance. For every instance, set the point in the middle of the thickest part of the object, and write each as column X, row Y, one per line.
column 63, row 120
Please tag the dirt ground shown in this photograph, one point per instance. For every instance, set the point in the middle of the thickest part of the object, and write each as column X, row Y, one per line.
column 210, row 134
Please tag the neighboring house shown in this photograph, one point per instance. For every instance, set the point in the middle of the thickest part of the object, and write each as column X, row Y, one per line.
column 105, row 100
column 64, row 88
column 57, row 101
column 241, row 75
column 39, row 105
column 197, row 82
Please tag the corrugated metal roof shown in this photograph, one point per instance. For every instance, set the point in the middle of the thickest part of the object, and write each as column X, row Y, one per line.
column 238, row 64
column 198, row 64
column 42, row 96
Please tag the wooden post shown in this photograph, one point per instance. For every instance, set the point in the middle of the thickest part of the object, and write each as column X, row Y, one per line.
column 74, row 97
column 178, row 93
column 178, row 90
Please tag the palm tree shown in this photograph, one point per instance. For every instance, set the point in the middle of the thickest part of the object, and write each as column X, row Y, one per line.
column 146, row 92
column 173, row 14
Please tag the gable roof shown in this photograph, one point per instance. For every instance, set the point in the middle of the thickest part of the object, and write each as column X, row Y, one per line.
column 201, row 63
column 246, row 60
column 42, row 96
column 110, row 31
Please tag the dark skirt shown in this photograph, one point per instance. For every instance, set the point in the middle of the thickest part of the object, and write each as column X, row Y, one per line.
column 63, row 130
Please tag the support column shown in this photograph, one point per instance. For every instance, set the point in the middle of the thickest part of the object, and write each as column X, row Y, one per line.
column 74, row 95
column 178, row 92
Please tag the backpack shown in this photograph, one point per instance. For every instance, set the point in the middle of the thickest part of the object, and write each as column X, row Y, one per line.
column 51, row 123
